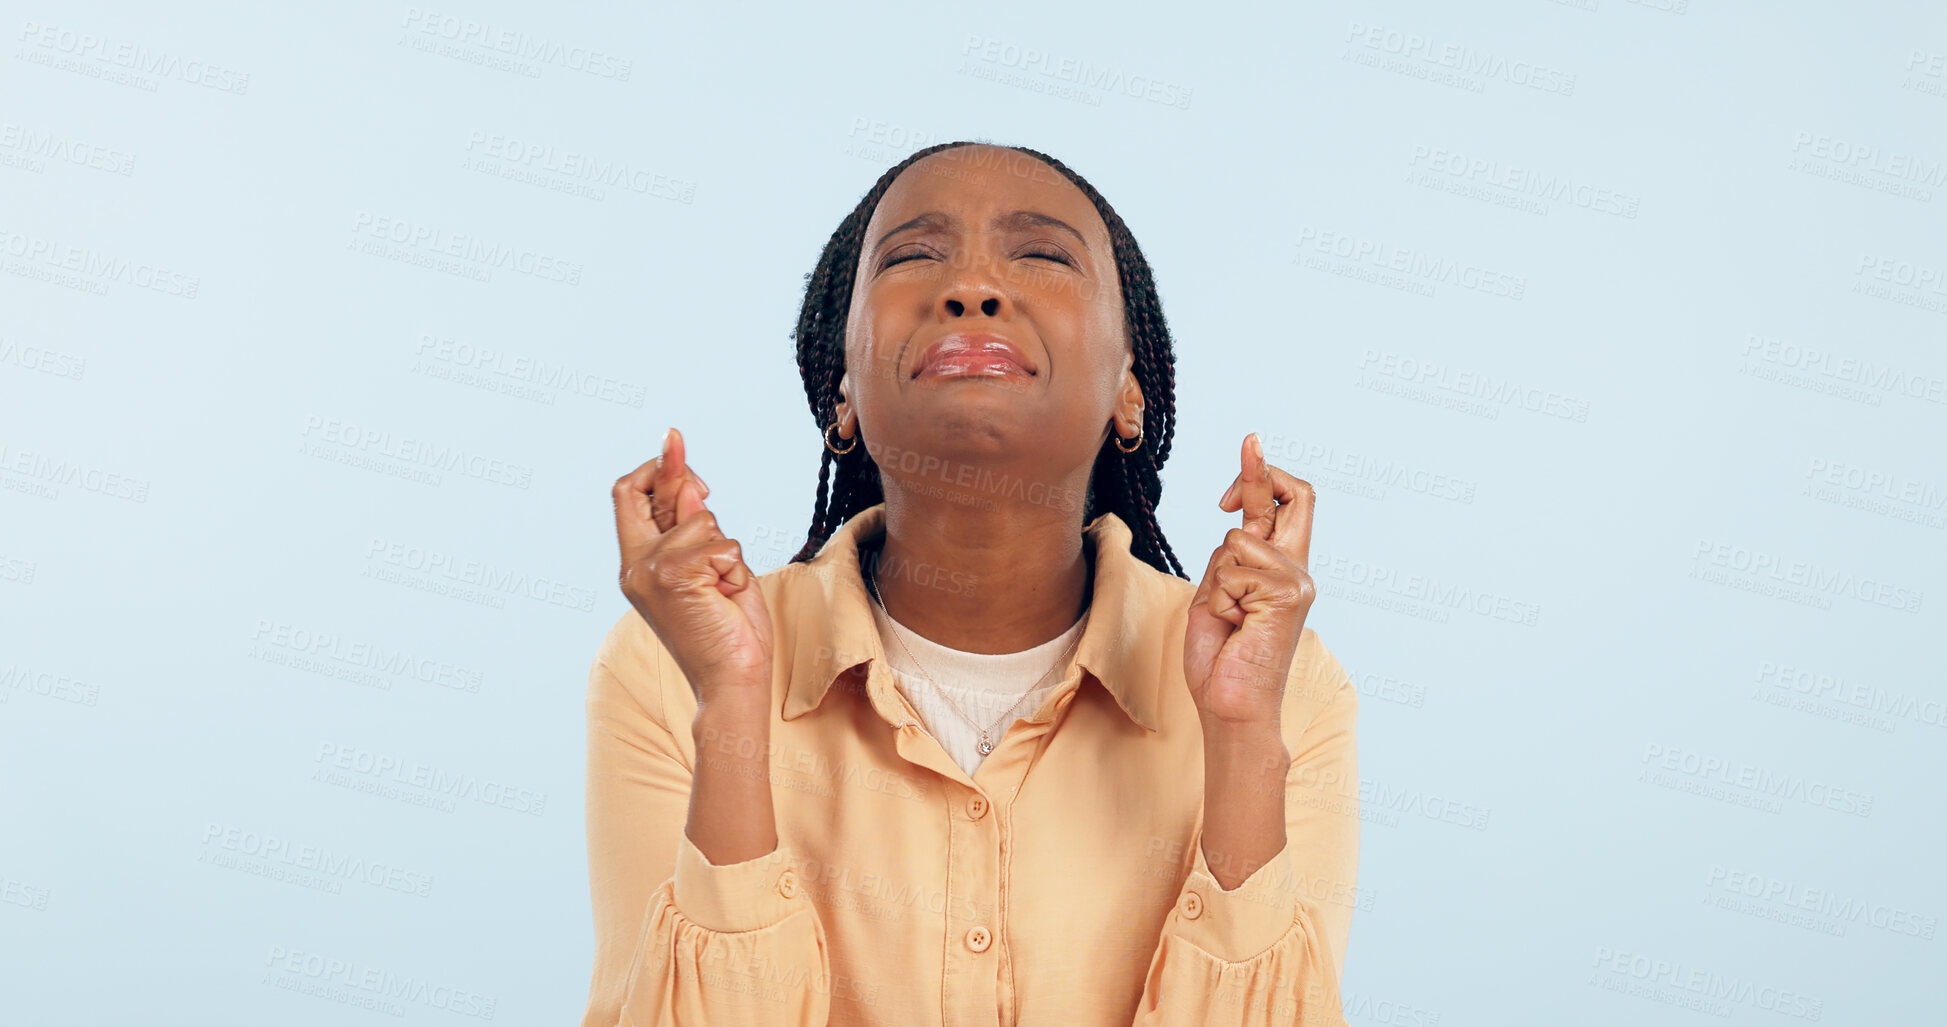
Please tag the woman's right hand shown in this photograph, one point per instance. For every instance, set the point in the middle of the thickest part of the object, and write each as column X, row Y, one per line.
column 691, row 584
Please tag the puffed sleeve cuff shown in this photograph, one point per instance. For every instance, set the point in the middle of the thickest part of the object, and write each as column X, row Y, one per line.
column 747, row 896
column 1239, row 924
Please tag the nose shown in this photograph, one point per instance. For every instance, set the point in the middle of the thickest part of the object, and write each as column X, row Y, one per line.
column 973, row 288
column 957, row 307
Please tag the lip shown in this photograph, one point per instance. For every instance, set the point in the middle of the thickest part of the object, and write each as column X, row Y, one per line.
column 972, row 353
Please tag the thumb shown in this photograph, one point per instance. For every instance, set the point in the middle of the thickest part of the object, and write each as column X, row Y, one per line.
column 750, row 600
column 1203, row 638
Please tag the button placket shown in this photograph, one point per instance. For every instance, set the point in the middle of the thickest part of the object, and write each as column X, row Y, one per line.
column 974, row 825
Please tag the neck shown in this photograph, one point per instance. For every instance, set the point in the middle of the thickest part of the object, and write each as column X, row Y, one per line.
column 978, row 580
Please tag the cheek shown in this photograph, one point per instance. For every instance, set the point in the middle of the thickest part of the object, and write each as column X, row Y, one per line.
column 891, row 307
column 1093, row 335
column 1107, row 318
column 1089, row 313
column 881, row 321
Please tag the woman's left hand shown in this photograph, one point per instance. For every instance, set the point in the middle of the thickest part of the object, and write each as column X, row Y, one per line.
column 1249, row 611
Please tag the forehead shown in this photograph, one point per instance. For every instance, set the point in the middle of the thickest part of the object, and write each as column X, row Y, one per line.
column 973, row 182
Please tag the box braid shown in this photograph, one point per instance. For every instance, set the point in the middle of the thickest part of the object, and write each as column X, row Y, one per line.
column 1128, row 485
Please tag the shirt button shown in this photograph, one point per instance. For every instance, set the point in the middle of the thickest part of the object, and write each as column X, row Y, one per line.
column 1192, row 905
column 978, row 939
column 977, row 807
column 787, row 884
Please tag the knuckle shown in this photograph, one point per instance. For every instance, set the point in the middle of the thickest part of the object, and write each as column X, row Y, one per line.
column 630, row 579
column 1307, row 589
column 664, row 572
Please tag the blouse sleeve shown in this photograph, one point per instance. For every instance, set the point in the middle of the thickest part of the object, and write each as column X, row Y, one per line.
column 679, row 940
column 1272, row 951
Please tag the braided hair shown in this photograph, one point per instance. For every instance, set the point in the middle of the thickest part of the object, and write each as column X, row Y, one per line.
column 1128, row 485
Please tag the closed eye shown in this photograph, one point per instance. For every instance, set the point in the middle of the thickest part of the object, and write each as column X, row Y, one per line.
column 1050, row 254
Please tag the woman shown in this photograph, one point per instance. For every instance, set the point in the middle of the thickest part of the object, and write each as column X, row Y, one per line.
column 872, row 786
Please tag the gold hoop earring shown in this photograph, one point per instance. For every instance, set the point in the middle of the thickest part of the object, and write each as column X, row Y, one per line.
column 1138, row 440
column 835, row 449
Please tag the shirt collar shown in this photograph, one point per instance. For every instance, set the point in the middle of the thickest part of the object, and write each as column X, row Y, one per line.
column 1123, row 647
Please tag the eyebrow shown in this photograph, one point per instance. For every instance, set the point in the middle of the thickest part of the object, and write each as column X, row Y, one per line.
column 934, row 220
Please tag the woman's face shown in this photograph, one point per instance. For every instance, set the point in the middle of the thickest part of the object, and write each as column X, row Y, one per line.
column 986, row 325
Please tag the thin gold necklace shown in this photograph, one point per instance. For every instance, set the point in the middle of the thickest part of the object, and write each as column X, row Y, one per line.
column 986, row 743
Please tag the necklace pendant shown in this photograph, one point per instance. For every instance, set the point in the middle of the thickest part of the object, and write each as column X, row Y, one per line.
column 985, row 746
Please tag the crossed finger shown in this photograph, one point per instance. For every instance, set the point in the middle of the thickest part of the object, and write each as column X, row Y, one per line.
column 666, row 489
column 1276, row 505
column 1241, row 549
column 656, row 496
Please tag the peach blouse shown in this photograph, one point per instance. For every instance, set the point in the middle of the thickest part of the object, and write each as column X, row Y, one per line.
column 1063, row 883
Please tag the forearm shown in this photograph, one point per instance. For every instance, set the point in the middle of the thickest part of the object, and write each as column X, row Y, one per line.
column 1243, row 799
column 731, row 818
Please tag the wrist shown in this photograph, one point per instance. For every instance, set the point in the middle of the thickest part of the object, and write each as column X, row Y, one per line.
column 1253, row 762
column 1242, row 735
column 731, row 731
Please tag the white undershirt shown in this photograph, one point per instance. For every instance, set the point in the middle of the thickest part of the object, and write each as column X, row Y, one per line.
column 982, row 684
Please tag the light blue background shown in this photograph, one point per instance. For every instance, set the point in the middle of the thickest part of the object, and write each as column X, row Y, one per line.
column 1777, row 159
